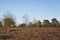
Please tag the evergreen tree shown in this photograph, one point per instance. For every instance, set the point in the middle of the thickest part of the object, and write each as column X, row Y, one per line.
column 46, row 23
column 55, row 22
column 9, row 21
column 1, row 24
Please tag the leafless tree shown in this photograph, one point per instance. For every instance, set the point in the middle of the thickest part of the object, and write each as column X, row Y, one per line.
column 26, row 20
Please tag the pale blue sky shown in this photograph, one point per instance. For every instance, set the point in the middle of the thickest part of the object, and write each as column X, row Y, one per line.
column 39, row 9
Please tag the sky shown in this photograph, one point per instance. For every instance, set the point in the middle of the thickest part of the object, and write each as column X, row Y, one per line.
column 35, row 9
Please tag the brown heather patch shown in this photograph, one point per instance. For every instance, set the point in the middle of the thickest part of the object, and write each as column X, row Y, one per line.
column 30, row 33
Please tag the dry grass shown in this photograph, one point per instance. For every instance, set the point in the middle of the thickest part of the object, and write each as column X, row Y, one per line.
column 32, row 33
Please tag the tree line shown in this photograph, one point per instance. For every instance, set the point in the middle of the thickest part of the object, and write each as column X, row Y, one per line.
column 10, row 22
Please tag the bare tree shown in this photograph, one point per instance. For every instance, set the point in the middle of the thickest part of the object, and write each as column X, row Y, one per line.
column 26, row 20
